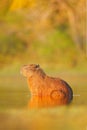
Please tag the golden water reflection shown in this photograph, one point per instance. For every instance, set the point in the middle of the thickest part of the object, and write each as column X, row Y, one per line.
column 47, row 101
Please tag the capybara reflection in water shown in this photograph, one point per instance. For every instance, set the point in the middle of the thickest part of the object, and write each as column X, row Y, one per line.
column 42, row 86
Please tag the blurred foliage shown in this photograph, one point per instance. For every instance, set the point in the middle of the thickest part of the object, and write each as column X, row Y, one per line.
column 42, row 31
column 59, row 12
column 11, row 46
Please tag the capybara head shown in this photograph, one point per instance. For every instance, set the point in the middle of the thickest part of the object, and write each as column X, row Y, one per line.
column 30, row 70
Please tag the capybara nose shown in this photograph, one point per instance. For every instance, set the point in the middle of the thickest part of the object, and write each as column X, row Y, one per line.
column 24, row 65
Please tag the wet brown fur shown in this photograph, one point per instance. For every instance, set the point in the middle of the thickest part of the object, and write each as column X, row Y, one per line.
column 41, row 85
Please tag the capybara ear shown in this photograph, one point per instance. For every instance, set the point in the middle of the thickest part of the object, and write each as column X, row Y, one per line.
column 37, row 66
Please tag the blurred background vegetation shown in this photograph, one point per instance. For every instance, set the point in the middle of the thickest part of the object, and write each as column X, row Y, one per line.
column 48, row 32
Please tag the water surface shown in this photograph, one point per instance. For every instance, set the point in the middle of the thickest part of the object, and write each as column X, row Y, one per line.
column 13, row 99
column 16, row 112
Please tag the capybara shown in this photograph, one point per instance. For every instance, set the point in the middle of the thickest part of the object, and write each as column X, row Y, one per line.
column 41, row 85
